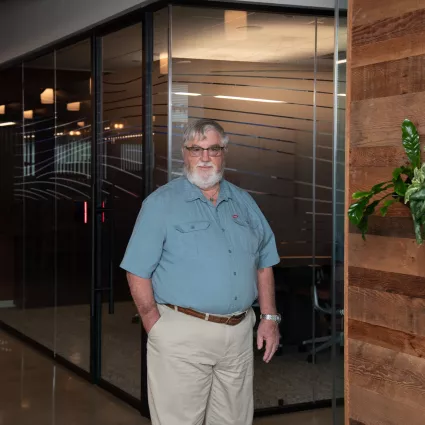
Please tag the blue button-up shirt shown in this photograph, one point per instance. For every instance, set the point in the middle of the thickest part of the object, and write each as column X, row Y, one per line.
column 198, row 255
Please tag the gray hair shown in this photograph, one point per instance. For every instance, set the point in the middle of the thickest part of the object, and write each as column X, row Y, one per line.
column 196, row 131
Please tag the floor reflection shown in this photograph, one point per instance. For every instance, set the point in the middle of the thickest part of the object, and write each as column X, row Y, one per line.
column 289, row 379
column 34, row 390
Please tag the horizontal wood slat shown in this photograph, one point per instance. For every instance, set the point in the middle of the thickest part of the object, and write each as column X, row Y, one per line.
column 386, row 372
column 388, row 50
column 397, row 255
column 377, row 122
column 395, row 283
column 387, row 310
column 399, row 227
column 387, row 29
column 389, row 78
column 399, row 341
column 380, row 156
column 368, row 12
column 369, row 408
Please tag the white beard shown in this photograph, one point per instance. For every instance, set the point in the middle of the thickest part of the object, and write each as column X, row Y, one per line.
column 204, row 180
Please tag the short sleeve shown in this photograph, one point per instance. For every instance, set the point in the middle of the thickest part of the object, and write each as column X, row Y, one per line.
column 268, row 254
column 144, row 250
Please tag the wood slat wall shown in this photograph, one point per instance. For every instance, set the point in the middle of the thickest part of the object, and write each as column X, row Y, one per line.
column 385, row 289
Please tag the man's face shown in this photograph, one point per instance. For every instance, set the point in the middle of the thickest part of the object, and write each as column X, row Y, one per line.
column 204, row 171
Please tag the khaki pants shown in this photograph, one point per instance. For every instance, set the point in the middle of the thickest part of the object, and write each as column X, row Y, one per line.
column 200, row 372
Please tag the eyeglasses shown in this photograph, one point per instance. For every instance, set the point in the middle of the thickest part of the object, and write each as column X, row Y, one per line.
column 197, row 151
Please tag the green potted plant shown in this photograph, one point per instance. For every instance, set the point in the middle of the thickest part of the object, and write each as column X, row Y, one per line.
column 406, row 186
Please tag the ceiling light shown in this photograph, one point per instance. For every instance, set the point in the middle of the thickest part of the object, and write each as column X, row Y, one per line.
column 46, row 97
column 342, row 94
column 182, row 93
column 163, row 63
column 28, row 115
column 250, row 99
column 2, row 109
column 73, row 106
column 342, row 61
column 80, row 123
column 5, row 124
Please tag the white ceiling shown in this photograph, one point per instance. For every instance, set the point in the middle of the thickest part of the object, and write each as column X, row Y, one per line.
column 249, row 37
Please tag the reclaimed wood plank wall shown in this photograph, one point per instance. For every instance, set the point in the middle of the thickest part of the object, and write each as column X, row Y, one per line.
column 385, row 292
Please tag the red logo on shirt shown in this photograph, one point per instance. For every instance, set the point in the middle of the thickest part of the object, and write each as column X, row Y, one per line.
column 235, row 216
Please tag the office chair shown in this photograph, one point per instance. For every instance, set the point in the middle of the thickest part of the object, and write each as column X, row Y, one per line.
column 322, row 343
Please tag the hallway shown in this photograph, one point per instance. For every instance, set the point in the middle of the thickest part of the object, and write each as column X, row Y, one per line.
column 35, row 390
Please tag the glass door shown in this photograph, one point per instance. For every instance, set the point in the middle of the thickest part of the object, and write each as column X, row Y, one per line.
column 119, row 193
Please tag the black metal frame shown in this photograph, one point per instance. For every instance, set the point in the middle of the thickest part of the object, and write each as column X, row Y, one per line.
column 143, row 15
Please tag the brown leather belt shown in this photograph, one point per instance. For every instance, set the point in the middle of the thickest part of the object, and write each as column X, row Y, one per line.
column 231, row 320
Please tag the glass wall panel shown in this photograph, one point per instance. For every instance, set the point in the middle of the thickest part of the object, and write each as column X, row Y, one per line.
column 12, row 197
column 273, row 93
column 35, row 259
column 121, row 180
column 72, row 197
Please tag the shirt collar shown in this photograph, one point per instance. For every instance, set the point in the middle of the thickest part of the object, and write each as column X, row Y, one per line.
column 193, row 192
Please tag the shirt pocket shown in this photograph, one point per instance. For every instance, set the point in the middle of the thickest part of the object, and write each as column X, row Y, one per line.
column 190, row 236
column 247, row 234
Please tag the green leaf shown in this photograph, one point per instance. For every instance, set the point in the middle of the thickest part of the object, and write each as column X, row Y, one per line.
column 355, row 212
column 387, row 204
column 358, row 195
column 380, row 187
column 396, row 173
column 407, row 171
column 364, row 222
column 363, row 226
column 411, row 142
column 400, row 186
column 418, row 230
column 371, row 207
column 418, row 195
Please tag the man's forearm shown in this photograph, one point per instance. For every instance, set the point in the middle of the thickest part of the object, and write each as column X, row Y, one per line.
column 142, row 293
column 266, row 291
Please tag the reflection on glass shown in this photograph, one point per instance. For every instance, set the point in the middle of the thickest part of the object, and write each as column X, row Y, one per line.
column 34, row 253
column 72, row 195
column 160, row 97
column 12, row 197
column 121, row 180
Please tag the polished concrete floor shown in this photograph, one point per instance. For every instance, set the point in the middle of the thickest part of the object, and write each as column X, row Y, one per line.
column 288, row 379
column 35, row 390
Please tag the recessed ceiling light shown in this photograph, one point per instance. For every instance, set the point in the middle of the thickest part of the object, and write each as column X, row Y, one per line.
column 5, row 124
column 250, row 99
column 181, row 93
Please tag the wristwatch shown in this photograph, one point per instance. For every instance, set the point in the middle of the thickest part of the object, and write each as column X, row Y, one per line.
column 275, row 317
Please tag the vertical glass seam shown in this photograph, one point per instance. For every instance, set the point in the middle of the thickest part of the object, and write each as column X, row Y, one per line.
column 334, row 209
column 170, row 95
column 55, row 254
column 313, row 195
column 24, row 277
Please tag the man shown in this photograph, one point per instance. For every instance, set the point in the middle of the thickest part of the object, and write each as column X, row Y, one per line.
column 200, row 254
